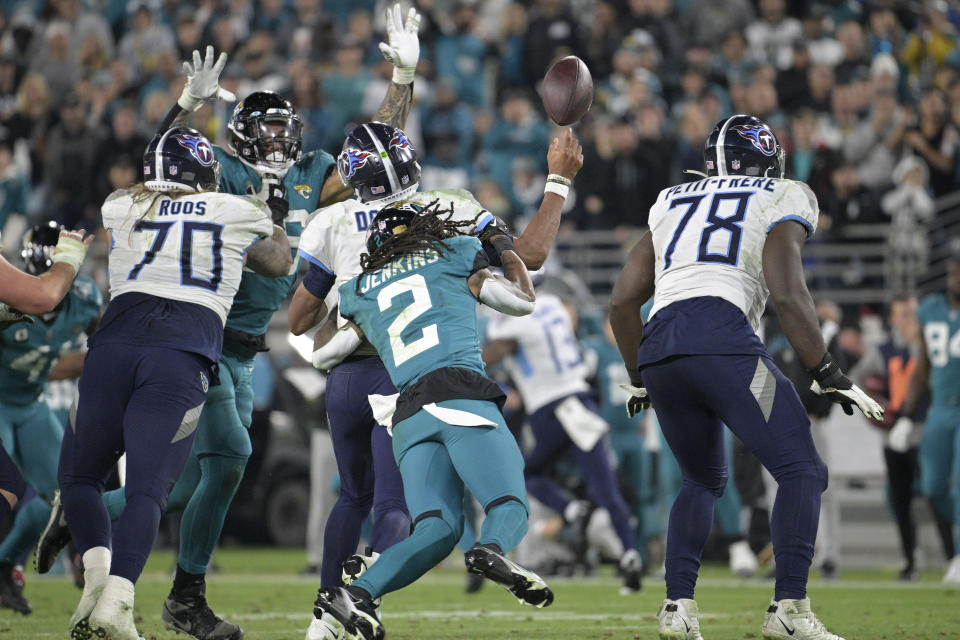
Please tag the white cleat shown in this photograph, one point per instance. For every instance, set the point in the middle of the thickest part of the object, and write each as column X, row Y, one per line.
column 679, row 620
column 96, row 568
column 793, row 620
column 325, row 628
column 743, row 562
column 112, row 618
column 952, row 576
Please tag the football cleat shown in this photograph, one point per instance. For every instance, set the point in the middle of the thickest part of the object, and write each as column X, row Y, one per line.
column 355, row 565
column 679, row 620
column 11, row 589
column 743, row 562
column 631, row 566
column 793, row 620
column 325, row 627
column 54, row 538
column 189, row 613
column 358, row 617
column 952, row 576
column 474, row 582
column 112, row 618
column 97, row 567
column 528, row 587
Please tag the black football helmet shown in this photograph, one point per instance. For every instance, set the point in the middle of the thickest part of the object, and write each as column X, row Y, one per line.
column 380, row 163
column 745, row 146
column 38, row 245
column 180, row 158
column 391, row 221
column 266, row 132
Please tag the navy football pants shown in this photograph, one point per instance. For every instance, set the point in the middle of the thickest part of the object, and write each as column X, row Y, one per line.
column 692, row 396
column 10, row 481
column 144, row 401
column 369, row 477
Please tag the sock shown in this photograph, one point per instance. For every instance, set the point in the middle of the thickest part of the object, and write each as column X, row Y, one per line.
column 504, row 526
column 188, row 584
column 690, row 520
column 431, row 541
column 114, row 500
column 206, row 510
column 133, row 536
column 27, row 527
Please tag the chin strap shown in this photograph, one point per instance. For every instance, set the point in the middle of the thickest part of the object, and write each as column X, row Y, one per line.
column 696, row 173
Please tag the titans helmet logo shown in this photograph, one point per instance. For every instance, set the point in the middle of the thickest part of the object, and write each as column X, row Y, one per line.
column 198, row 148
column 400, row 141
column 351, row 160
column 759, row 137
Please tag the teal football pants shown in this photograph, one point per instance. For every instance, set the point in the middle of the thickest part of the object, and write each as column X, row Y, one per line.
column 214, row 470
column 436, row 461
column 940, row 461
column 31, row 435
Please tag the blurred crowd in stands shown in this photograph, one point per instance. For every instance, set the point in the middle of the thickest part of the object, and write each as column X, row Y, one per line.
column 865, row 96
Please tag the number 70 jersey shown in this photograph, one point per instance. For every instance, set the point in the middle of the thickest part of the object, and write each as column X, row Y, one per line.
column 189, row 248
column 708, row 237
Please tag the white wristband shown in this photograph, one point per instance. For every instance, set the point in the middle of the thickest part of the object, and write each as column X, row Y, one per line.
column 404, row 75
column 554, row 187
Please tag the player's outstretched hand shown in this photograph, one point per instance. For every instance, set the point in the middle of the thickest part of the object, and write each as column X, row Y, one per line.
column 638, row 401
column 402, row 48
column 565, row 155
column 203, row 81
column 830, row 381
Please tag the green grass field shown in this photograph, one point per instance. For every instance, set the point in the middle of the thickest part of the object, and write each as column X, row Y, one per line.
column 259, row 589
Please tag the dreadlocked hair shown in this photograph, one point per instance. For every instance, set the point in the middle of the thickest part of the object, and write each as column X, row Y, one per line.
column 427, row 230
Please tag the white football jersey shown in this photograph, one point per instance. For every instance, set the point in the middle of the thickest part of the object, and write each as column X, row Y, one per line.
column 548, row 363
column 708, row 237
column 189, row 248
column 337, row 235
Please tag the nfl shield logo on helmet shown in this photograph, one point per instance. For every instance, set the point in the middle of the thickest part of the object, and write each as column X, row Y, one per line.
column 173, row 169
column 735, row 164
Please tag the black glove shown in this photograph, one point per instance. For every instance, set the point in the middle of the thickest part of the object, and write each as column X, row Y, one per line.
column 830, row 381
column 639, row 399
column 494, row 227
column 277, row 201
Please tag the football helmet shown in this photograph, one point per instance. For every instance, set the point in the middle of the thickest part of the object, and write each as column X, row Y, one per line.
column 181, row 158
column 743, row 145
column 266, row 132
column 38, row 245
column 379, row 162
column 391, row 221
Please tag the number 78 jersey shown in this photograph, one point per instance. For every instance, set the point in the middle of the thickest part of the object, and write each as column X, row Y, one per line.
column 708, row 237
column 189, row 248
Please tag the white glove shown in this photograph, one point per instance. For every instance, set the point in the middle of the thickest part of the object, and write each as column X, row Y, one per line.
column 638, row 401
column 846, row 398
column 899, row 437
column 203, row 81
column 402, row 48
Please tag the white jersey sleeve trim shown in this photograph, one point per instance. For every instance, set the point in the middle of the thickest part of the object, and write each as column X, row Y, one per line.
column 309, row 258
column 806, row 223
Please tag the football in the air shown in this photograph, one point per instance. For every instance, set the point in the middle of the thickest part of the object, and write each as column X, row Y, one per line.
column 567, row 90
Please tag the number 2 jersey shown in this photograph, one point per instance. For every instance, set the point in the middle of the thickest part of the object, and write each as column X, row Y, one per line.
column 190, row 250
column 419, row 313
column 941, row 332
column 708, row 238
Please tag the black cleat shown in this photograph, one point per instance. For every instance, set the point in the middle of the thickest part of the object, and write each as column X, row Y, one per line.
column 54, row 538
column 528, row 587
column 11, row 590
column 193, row 616
column 474, row 582
column 632, row 569
column 358, row 617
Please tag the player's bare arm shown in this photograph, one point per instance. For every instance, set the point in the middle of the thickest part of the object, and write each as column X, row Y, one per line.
column 511, row 293
column 271, row 256
column 633, row 288
column 564, row 159
column 402, row 50
column 40, row 294
column 306, row 311
column 783, row 273
column 496, row 350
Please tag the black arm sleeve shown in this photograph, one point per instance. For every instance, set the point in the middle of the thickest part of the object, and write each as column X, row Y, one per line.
column 168, row 119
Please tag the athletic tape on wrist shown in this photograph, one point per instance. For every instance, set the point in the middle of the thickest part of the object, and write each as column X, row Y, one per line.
column 555, row 187
column 70, row 251
column 556, row 177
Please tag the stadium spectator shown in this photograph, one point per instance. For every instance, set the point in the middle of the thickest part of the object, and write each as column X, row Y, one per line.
column 518, row 131
column 69, row 166
column 934, row 139
column 147, row 38
column 459, row 56
column 124, row 141
column 552, row 32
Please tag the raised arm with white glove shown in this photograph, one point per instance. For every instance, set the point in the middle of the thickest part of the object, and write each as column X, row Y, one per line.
column 402, row 48
column 203, row 81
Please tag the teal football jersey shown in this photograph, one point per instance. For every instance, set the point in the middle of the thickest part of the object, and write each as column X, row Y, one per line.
column 941, row 331
column 260, row 296
column 28, row 351
column 418, row 310
column 610, row 375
